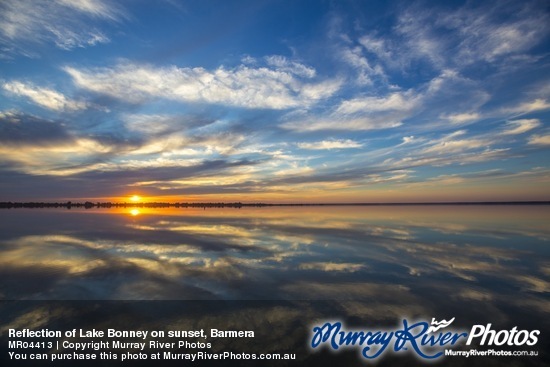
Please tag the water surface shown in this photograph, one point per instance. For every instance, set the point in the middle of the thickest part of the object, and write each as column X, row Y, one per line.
column 399, row 254
column 278, row 271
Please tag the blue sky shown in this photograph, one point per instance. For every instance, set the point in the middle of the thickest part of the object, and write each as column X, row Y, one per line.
column 280, row 101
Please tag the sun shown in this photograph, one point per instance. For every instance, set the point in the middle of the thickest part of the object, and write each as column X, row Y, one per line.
column 135, row 198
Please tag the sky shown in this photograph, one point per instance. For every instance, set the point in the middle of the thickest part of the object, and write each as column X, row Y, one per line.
column 274, row 101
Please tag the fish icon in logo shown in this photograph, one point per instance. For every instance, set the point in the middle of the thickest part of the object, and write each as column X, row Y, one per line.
column 439, row 325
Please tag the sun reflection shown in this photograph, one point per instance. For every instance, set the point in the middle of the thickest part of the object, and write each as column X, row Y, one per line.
column 135, row 198
column 134, row 212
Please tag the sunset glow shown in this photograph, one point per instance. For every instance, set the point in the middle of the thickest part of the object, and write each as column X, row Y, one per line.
column 135, row 198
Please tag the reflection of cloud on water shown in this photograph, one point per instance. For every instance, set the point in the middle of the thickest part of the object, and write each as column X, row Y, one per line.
column 371, row 268
column 545, row 268
column 56, row 252
column 267, row 254
column 532, row 283
column 330, row 266
column 347, row 291
column 36, row 318
column 480, row 230
column 218, row 230
column 469, row 294
column 531, row 304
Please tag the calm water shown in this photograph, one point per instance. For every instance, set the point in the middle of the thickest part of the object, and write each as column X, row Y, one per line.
column 478, row 254
column 480, row 264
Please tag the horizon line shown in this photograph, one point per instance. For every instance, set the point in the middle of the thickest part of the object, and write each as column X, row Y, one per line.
column 89, row 204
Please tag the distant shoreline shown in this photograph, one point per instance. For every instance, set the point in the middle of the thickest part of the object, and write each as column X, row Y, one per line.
column 107, row 205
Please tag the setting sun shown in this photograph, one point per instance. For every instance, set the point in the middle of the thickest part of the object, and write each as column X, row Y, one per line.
column 135, row 198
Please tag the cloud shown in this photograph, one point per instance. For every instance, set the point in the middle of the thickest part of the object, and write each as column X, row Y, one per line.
column 360, row 114
column 67, row 24
column 283, row 64
column 539, row 104
column 378, row 46
column 39, row 146
column 490, row 32
column 539, row 140
column 417, row 38
column 21, row 129
column 153, row 124
column 330, row 144
column 340, row 124
column 96, row 8
column 45, row 97
column 332, row 267
column 461, row 118
column 355, row 58
column 521, row 126
column 480, row 177
column 445, row 92
column 486, row 32
column 243, row 86
column 393, row 102
column 456, row 146
column 56, row 156
column 460, row 153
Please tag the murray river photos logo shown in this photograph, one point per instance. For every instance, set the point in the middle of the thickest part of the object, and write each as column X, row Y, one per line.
column 425, row 340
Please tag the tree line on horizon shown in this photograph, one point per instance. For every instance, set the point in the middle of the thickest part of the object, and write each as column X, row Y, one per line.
column 90, row 205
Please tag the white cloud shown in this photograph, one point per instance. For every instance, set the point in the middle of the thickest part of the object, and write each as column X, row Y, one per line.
column 394, row 102
column 329, row 266
column 444, row 157
column 461, row 118
column 539, row 140
column 10, row 115
column 159, row 145
column 66, row 23
column 358, row 124
column 379, row 47
column 355, row 58
column 360, row 114
column 484, row 35
column 44, row 97
column 61, row 159
column 330, row 144
column 242, row 86
column 67, row 39
column 418, row 39
column 151, row 124
column 456, row 146
column 248, row 60
column 97, row 8
column 538, row 104
column 455, row 134
column 283, row 64
column 395, row 176
column 462, row 36
column 520, row 126
column 447, row 77
column 321, row 90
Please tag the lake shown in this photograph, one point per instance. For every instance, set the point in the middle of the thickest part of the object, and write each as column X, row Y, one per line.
column 291, row 265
